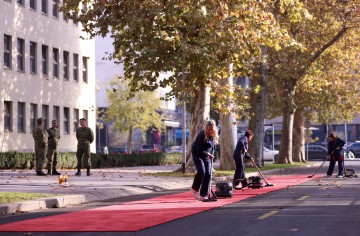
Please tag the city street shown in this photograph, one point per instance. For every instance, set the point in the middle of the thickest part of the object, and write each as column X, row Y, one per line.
column 320, row 206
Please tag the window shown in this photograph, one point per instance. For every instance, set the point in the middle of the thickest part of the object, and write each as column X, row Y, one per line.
column 20, row 54
column 76, row 119
column 56, row 114
column 21, row 117
column 45, row 59
column 33, row 47
column 64, row 15
column 66, row 120
column 76, row 67
column 7, row 51
column 20, row 2
column 56, row 62
column 44, row 6
column 55, row 9
column 8, row 116
column 33, row 115
column 85, row 114
column 66, row 65
column 45, row 115
column 32, row 4
column 85, row 69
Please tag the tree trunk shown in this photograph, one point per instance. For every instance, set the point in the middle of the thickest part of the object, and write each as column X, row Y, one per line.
column 285, row 152
column 199, row 112
column 129, row 142
column 228, row 131
column 257, row 111
column 298, row 153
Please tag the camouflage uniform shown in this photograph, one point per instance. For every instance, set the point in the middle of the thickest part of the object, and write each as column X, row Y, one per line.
column 85, row 137
column 54, row 137
column 41, row 142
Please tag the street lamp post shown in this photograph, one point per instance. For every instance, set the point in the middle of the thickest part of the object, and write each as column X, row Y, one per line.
column 183, row 105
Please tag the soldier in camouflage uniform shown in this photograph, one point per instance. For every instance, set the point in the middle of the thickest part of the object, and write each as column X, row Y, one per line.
column 85, row 137
column 41, row 142
column 53, row 153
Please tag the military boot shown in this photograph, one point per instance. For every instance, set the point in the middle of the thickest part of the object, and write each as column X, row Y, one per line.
column 88, row 172
column 54, row 172
column 40, row 173
column 78, row 173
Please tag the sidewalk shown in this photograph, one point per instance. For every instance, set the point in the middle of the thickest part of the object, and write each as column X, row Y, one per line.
column 101, row 185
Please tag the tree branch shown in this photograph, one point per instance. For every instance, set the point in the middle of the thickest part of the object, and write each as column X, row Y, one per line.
column 323, row 48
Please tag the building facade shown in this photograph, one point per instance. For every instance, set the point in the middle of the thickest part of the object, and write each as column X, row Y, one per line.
column 46, row 70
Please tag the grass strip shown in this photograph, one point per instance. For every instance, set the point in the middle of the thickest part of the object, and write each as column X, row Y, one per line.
column 10, row 197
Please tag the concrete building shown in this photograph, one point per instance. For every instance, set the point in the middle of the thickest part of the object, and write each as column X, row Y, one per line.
column 46, row 70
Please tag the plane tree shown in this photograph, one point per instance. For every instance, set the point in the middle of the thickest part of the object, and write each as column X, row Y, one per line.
column 199, row 39
column 322, row 26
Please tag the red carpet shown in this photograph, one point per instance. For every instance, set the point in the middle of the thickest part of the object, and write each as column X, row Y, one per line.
column 137, row 215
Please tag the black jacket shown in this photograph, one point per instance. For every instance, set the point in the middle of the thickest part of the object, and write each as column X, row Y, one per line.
column 241, row 148
column 332, row 145
column 200, row 148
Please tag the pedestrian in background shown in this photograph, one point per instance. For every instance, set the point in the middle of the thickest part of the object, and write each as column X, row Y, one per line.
column 336, row 153
column 241, row 152
column 53, row 153
column 202, row 151
column 85, row 137
column 41, row 143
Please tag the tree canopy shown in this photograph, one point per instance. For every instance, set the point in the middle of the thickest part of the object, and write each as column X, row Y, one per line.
column 140, row 111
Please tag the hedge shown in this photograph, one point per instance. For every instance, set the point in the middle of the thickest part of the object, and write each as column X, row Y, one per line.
column 20, row 160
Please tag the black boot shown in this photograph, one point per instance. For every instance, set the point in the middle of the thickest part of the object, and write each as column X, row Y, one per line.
column 49, row 172
column 78, row 173
column 88, row 172
column 40, row 173
column 54, row 172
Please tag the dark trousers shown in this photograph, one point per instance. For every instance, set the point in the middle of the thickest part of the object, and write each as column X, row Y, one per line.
column 332, row 166
column 240, row 172
column 83, row 152
column 203, row 176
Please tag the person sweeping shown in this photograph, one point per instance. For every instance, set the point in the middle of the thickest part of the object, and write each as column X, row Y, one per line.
column 335, row 151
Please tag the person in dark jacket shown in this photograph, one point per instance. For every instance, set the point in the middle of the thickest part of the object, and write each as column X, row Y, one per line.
column 336, row 153
column 202, row 151
column 241, row 152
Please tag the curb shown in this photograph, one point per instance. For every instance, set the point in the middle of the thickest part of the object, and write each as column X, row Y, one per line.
column 42, row 203
column 229, row 178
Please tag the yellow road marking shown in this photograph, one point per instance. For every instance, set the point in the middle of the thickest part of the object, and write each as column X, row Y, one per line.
column 266, row 215
column 302, row 198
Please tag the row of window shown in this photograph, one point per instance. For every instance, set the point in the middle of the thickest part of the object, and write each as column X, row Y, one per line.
column 32, row 115
column 44, row 6
column 33, row 60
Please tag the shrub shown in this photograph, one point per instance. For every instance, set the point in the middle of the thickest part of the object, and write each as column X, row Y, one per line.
column 19, row 160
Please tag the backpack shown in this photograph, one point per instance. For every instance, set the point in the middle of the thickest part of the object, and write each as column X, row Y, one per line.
column 224, row 189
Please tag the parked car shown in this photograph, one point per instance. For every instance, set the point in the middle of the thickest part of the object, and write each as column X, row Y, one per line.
column 149, row 148
column 174, row 149
column 354, row 149
column 118, row 150
column 315, row 152
column 269, row 155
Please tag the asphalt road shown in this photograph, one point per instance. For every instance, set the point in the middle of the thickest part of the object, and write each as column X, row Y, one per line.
column 326, row 206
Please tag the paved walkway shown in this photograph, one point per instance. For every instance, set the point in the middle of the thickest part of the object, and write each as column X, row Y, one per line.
column 102, row 184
